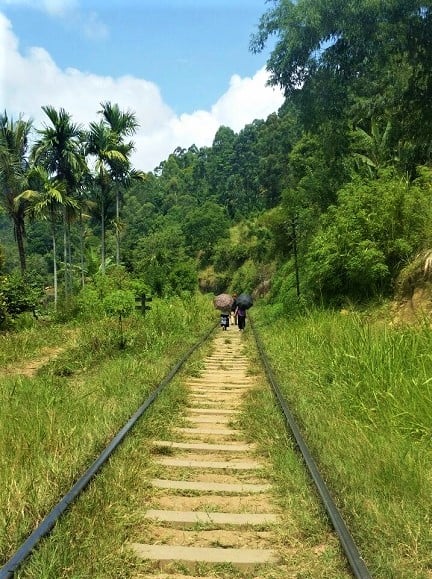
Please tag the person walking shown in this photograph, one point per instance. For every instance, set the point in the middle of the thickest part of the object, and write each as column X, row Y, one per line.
column 224, row 320
column 240, row 314
column 233, row 310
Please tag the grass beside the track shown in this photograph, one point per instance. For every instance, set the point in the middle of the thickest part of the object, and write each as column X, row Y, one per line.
column 54, row 425
column 362, row 394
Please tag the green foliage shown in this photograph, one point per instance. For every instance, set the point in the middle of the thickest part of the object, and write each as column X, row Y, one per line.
column 365, row 240
column 116, row 277
column 228, row 256
column 160, row 260
column 183, row 278
column 90, row 302
column 284, row 296
column 357, row 118
column 203, row 227
column 354, row 63
column 277, row 222
column 18, row 294
column 212, row 282
column 14, row 144
column 110, row 293
column 119, row 303
column 368, row 384
column 246, row 278
column 2, row 258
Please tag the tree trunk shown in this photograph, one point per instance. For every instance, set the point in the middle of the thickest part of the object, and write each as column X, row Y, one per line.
column 117, row 227
column 54, row 245
column 65, row 255
column 103, row 235
column 19, row 234
column 69, row 258
column 82, row 248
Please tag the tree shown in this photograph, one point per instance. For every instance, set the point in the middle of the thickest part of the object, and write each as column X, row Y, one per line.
column 358, row 60
column 105, row 141
column 160, row 260
column 14, row 137
column 45, row 200
column 102, row 144
column 122, row 124
column 203, row 227
column 371, row 149
column 364, row 241
column 59, row 151
column 277, row 138
column 219, row 162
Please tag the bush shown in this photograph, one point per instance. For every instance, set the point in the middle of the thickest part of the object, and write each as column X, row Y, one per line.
column 18, row 294
column 246, row 278
column 183, row 277
column 364, row 241
column 90, row 303
column 284, row 292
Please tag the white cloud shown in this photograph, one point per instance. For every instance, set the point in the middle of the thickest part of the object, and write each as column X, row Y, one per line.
column 58, row 7
column 29, row 81
column 69, row 11
column 52, row 7
column 93, row 27
column 244, row 97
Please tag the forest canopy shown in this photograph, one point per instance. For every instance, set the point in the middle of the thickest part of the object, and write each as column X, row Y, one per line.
column 328, row 198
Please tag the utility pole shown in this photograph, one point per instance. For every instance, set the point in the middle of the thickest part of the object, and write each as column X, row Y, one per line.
column 294, row 236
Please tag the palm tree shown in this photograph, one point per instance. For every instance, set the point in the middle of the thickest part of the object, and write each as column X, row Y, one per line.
column 101, row 144
column 85, row 206
column 59, row 151
column 122, row 124
column 46, row 199
column 14, row 137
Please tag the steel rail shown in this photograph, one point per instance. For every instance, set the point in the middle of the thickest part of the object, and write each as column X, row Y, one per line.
column 349, row 547
column 50, row 520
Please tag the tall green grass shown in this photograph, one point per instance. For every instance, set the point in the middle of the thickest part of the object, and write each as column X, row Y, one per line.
column 362, row 394
column 23, row 345
column 53, row 426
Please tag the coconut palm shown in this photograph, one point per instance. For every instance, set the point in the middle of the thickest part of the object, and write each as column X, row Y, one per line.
column 14, row 137
column 59, row 151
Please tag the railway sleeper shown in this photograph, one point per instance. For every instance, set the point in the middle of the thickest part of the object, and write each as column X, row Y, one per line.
column 197, row 526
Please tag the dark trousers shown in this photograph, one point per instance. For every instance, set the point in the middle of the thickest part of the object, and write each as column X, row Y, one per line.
column 241, row 321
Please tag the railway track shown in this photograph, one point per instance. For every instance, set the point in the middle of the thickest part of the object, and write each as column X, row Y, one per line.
column 213, row 512
column 227, row 514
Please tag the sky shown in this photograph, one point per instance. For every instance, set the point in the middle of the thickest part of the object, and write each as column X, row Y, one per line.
column 182, row 66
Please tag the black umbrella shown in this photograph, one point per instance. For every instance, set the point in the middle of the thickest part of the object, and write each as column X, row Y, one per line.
column 244, row 301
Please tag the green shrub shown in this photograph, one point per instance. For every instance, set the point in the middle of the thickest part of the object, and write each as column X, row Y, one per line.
column 364, row 241
column 246, row 278
column 18, row 294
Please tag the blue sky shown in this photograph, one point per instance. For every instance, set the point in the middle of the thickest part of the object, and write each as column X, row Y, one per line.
column 183, row 66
